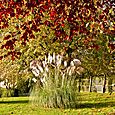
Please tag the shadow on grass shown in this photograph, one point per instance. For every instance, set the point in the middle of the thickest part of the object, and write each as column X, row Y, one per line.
column 81, row 106
column 96, row 105
column 14, row 102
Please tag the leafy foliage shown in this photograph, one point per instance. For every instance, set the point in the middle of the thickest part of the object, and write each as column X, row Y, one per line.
column 63, row 22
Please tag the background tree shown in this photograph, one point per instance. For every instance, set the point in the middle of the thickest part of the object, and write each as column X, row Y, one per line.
column 15, row 77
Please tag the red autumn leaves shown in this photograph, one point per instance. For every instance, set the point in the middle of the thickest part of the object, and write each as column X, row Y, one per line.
column 63, row 15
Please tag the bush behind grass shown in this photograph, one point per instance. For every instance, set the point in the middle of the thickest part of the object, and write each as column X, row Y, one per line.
column 91, row 104
column 6, row 92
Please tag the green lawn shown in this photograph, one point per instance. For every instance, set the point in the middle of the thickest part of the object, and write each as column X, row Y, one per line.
column 90, row 104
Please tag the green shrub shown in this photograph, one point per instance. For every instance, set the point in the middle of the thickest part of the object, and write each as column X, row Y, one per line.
column 23, row 87
column 7, row 92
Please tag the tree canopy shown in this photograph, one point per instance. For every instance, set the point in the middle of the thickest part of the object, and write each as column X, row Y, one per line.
column 66, row 24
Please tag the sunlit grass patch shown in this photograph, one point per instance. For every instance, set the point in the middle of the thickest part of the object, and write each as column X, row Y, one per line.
column 91, row 104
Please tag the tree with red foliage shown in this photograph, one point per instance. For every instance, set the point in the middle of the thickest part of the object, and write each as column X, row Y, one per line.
column 74, row 24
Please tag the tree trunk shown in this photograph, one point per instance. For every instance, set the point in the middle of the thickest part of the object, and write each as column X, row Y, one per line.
column 104, row 84
column 90, row 83
column 79, row 86
column 110, row 85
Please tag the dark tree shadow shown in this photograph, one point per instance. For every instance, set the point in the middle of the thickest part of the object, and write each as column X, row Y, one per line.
column 14, row 102
column 78, row 106
column 96, row 105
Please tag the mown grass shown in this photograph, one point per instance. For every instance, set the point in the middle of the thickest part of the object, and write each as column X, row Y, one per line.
column 90, row 104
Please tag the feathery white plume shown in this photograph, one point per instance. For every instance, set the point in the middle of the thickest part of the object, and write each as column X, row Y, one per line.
column 34, row 80
column 65, row 63
column 36, row 72
column 54, row 57
column 77, row 62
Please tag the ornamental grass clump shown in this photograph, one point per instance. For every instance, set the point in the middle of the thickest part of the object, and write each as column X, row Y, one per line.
column 56, row 86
